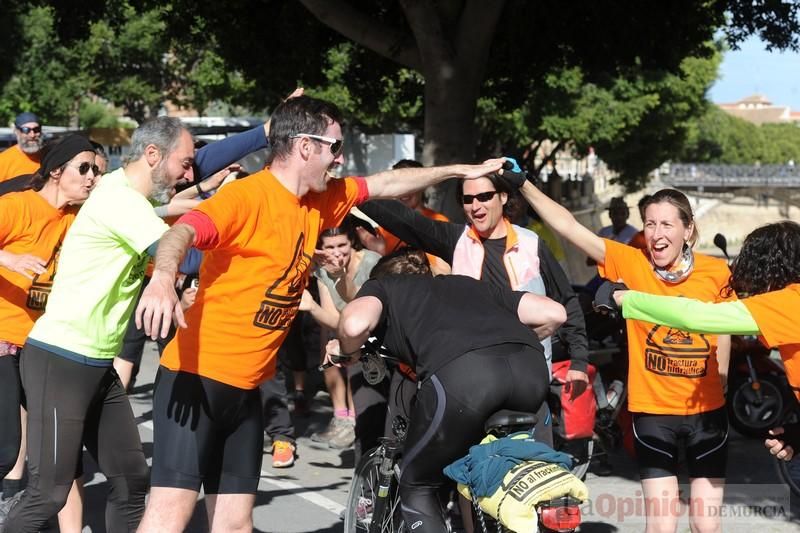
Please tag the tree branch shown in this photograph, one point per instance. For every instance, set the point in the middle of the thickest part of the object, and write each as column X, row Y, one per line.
column 549, row 157
column 476, row 29
column 434, row 47
column 355, row 25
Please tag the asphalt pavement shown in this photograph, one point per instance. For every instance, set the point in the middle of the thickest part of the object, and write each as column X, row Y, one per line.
column 310, row 496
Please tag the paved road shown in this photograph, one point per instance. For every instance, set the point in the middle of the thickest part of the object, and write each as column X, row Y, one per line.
column 309, row 496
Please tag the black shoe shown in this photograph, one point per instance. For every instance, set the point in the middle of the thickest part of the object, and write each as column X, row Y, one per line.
column 600, row 466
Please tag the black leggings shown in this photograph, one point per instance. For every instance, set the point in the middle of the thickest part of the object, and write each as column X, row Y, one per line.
column 71, row 405
column 448, row 416
column 10, row 399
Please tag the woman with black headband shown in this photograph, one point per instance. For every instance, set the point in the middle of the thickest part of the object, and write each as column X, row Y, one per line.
column 32, row 226
column 674, row 381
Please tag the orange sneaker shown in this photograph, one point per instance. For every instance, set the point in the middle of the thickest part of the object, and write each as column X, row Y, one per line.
column 282, row 454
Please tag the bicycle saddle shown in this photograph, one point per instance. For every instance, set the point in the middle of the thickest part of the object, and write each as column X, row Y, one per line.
column 506, row 419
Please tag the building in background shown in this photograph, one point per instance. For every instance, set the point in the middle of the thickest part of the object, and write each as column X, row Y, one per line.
column 758, row 109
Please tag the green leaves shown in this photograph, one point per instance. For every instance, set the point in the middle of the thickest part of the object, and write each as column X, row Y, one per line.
column 717, row 137
column 127, row 58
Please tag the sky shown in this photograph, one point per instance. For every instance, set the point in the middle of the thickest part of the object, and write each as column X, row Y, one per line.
column 752, row 69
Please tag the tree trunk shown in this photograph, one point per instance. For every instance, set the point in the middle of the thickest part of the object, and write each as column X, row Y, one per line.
column 449, row 43
column 450, row 105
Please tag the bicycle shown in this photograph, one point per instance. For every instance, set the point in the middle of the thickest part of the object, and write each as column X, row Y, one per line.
column 373, row 502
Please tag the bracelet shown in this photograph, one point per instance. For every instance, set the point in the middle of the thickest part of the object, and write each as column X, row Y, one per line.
column 203, row 194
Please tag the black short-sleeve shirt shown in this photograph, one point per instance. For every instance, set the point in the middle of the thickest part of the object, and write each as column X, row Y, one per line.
column 427, row 322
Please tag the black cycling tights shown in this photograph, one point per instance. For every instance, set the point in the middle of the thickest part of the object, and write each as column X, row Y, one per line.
column 10, row 432
column 71, row 405
column 448, row 417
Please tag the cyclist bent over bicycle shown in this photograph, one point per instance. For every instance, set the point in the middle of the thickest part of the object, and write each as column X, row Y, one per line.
column 473, row 349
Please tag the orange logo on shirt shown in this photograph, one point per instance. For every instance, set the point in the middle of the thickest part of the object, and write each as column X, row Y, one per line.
column 672, row 352
column 282, row 299
column 43, row 283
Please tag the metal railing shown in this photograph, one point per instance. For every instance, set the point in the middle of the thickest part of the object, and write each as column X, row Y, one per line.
column 689, row 175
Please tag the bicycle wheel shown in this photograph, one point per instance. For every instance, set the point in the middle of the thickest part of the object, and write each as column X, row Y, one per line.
column 749, row 415
column 363, row 492
column 789, row 471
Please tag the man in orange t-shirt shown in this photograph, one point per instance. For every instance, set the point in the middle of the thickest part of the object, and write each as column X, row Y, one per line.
column 258, row 235
column 23, row 157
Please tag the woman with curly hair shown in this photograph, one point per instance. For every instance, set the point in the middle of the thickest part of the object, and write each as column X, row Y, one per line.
column 767, row 274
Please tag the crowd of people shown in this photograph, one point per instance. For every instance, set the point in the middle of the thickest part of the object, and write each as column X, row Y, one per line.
column 89, row 269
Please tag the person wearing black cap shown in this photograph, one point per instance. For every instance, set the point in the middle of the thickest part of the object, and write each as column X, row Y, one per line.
column 32, row 226
column 23, row 157
column 74, row 397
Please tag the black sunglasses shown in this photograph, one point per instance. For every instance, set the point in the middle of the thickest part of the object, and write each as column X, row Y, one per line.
column 27, row 129
column 481, row 197
column 84, row 167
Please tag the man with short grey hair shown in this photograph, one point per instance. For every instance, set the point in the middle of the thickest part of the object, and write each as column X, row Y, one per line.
column 74, row 396
column 23, row 157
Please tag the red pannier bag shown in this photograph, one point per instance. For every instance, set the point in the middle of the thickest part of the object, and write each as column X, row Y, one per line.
column 576, row 415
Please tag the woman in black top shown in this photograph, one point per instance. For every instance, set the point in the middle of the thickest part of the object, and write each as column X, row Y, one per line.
column 475, row 352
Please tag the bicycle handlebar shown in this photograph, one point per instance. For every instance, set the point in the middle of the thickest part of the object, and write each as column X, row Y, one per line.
column 371, row 347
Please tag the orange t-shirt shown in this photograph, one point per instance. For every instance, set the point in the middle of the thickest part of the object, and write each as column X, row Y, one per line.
column 28, row 225
column 775, row 314
column 14, row 162
column 254, row 276
column 671, row 372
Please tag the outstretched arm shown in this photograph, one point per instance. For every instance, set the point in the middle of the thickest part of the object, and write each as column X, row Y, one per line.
column 412, row 227
column 397, row 182
column 564, row 223
column 724, row 318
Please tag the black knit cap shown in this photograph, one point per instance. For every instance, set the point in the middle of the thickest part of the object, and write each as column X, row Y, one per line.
column 62, row 151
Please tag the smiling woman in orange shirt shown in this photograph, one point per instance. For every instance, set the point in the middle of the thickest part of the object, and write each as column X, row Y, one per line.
column 674, row 382
column 767, row 272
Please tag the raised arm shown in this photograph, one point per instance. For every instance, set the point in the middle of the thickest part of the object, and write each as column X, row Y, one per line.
column 160, row 300
column 397, row 182
column 218, row 155
column 564, row 223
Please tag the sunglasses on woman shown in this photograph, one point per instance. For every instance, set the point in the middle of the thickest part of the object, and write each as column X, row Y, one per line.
column 84, row 167
column 336, row 144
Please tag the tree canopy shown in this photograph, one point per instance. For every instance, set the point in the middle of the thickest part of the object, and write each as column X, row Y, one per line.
column 472, row 78
column 717, row 137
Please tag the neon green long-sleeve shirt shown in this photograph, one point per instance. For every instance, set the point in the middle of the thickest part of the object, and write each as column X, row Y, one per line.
column 724, row 318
